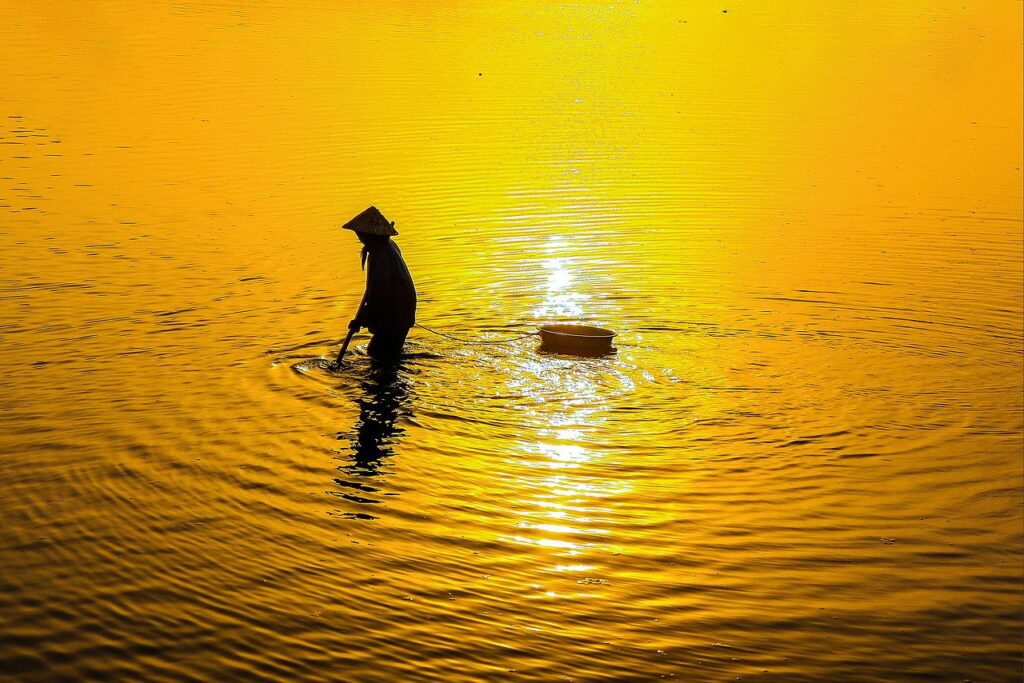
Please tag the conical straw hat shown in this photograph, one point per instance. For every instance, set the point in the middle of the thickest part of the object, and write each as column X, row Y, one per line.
column 371, row 222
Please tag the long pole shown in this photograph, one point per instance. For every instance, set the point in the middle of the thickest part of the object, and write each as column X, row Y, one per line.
column 344, row 347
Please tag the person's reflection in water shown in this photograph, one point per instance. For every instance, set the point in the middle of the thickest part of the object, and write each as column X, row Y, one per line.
column 385, row 399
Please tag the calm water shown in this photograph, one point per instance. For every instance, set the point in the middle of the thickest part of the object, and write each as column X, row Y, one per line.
column 804, row 462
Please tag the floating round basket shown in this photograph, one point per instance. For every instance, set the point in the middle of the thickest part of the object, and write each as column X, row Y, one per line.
column 578, row 340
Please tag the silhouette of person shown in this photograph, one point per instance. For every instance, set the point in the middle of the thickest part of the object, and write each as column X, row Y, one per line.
column 388, row 308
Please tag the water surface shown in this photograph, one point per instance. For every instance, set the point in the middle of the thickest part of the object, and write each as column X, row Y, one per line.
column 802, row 464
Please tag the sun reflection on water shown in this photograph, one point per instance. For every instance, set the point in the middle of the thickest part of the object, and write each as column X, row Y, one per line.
column 571, row 502
column 561, row 300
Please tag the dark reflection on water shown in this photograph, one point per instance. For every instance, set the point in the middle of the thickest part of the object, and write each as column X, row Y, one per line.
column 385, row 399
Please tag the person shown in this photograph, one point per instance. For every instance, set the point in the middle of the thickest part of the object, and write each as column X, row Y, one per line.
column 388, row 308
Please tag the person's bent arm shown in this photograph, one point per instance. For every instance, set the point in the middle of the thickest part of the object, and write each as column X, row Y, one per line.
column 374, row 308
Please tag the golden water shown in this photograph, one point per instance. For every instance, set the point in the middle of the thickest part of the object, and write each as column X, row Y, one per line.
column 802, row 464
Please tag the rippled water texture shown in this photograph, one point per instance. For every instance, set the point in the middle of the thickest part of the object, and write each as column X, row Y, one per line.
column 803, row 463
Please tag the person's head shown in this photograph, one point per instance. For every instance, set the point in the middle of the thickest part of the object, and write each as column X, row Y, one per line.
column 372, row 240
column 371, row 225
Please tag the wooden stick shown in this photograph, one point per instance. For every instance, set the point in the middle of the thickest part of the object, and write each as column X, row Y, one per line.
column 344, row 347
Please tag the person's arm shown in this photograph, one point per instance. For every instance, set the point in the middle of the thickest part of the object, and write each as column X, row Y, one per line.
column 372, row 309
column 357, row 319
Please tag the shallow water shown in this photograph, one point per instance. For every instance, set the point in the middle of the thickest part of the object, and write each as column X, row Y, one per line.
column 803, row 462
